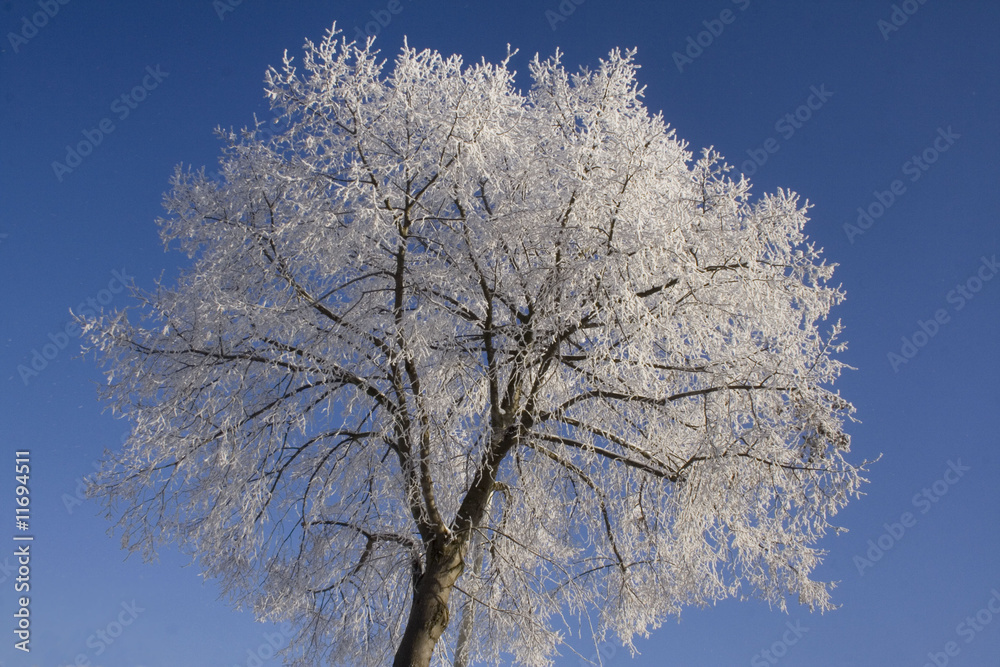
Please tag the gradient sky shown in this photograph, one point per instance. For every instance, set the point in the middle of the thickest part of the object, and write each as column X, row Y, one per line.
column 890, row 108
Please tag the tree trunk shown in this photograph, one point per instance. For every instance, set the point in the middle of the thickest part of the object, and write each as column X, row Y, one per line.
column 429, row 611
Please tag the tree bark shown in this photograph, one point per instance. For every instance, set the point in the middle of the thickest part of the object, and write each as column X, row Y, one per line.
column 429, row 610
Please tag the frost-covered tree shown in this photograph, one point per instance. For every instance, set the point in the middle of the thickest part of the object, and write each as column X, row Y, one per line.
column 455, row 367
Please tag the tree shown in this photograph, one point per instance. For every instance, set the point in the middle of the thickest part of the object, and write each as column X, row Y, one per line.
column 452, row 362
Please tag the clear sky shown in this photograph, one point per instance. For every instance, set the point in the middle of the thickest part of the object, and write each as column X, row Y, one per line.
column 892, row 109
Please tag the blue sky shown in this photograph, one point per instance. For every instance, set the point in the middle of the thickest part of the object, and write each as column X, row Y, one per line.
column 892, row 109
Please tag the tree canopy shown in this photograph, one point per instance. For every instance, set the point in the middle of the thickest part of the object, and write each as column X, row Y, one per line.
column 455, row 365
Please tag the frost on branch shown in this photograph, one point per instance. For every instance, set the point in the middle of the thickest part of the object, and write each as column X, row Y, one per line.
column 456, row 360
